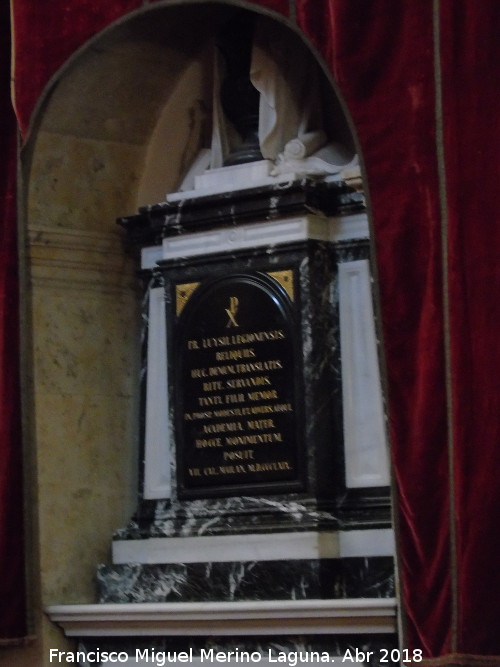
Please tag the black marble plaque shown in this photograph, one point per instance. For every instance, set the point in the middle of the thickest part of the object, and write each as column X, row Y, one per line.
column 237, row 386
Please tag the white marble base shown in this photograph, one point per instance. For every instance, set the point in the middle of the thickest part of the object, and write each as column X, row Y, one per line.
column 275, row 617
column 258, row 547
column 227, row 548
column 236, row 177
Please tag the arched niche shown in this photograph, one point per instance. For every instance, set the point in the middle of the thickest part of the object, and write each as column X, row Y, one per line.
column 113, row 131
column 184, row 122
column 123, row 119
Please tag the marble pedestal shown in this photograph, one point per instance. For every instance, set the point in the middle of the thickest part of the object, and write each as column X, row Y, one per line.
column 270, row 565
column 246, row 537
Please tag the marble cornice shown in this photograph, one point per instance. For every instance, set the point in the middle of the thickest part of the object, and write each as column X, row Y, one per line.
column 275, row 617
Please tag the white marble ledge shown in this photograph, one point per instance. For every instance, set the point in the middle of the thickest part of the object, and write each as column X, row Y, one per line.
column 225, row 549
column 259, row 547
column 258, row 234
column 275, row 617
column 262, row 234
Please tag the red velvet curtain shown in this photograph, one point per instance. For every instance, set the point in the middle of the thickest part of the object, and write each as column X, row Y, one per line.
column 421, row 81
column 382, row 56
column 12, row 580
column 470, row 53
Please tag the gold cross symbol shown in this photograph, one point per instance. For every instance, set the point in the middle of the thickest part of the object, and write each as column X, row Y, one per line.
column 231, row 312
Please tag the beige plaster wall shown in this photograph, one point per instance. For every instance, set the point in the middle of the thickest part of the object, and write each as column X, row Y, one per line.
column 83, row 344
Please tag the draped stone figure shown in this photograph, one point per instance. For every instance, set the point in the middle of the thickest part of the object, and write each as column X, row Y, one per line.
column 291, row 124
